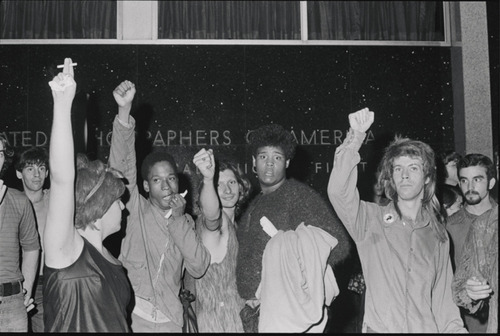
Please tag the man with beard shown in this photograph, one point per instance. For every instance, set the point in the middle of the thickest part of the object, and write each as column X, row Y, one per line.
column 476, row 174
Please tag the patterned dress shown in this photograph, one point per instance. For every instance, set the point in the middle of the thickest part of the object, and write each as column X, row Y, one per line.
column 218, row 303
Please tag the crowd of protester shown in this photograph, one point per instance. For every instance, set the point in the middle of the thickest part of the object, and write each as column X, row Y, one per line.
column 427, row 243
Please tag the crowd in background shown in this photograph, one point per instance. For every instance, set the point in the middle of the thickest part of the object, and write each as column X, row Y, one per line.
column 427, row 242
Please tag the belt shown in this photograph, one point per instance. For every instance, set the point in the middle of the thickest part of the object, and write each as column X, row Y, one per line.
column 10, row 288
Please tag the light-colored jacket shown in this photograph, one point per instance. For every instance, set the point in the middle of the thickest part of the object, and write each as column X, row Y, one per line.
column 154, row 249
column 297, row 282
column 406, row 265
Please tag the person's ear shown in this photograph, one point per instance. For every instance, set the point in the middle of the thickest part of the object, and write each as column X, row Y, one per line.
column 98, row 224
column 19, row 175
column 427, row 180
column 287, row 163
column 46, row 173
column 491, row 184
column 253, row 160
column 145, row 184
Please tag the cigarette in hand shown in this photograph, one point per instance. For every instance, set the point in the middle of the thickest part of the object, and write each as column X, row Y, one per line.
column 169, row 213
column 62, row 65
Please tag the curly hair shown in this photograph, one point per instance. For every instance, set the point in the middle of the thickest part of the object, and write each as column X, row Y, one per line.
column 152, row 158
column 272, row 135
column 414, row 149
column 97, row 188
column 471, row 160
column 33, row 155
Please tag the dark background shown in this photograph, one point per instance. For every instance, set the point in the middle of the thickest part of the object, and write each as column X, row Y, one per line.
column 227, row 91
column 223, row 92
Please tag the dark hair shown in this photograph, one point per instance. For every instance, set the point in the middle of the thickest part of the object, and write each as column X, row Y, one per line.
column 471, row 160
column 449, row 156
column 272, row 135
column 33, row 155
column 97, row 188
column 8, row 155
column 415, row 149
column 449, row 195
column 152, row 158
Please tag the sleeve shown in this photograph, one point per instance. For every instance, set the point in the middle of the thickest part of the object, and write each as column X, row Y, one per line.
column 28, row 234
column 342, row 190
column 122, row 157
column 446, row 313
column 196, row 256
column 466, row 268
column 320, row 214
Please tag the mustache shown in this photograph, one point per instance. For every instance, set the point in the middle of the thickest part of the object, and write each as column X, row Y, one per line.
column 471, row 192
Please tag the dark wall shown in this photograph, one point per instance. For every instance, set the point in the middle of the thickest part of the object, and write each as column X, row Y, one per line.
column 189, row 97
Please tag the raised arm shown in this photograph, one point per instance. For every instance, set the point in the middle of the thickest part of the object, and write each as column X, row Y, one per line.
column 342, row 190
column 63, row 244
column 209, row 199
column 122, row 154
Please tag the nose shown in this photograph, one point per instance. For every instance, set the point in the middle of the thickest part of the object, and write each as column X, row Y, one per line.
column 165, row 185
column 227, row 189
column 36, row 172
column 404, row 173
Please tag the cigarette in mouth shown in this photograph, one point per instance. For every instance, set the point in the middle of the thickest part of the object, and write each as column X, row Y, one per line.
column 62, row 65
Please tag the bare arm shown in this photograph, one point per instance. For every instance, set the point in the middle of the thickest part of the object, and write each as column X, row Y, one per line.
column 63, row 244
column 209, row 199
column 29, row 268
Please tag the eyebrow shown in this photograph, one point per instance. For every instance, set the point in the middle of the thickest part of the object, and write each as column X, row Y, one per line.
column 474, row 177
column 274, row 152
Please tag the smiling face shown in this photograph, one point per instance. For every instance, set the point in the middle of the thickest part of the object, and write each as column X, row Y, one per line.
column 408, row 177
column 474, row 184
column 228, row 189
column 271, row 166
column 33, row 176
column 162, row 183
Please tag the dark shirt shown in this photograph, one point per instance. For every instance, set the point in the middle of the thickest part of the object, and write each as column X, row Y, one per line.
column 288, row 206
column 17, row 228
column 90, row 295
